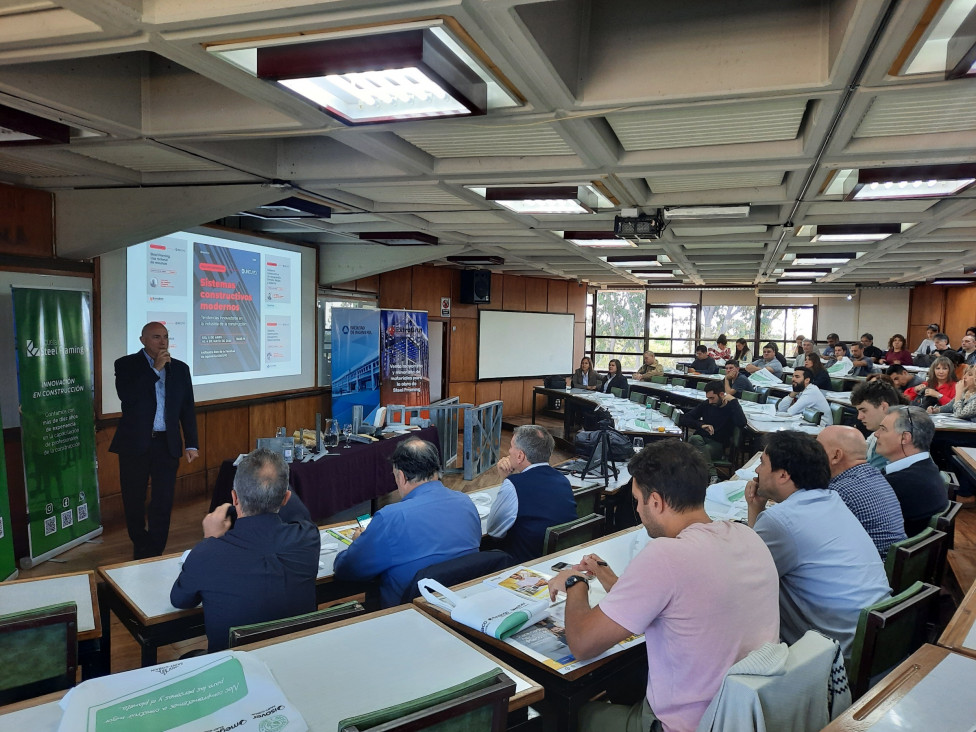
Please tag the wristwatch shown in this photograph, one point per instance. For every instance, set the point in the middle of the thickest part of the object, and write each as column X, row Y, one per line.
column 575, row 580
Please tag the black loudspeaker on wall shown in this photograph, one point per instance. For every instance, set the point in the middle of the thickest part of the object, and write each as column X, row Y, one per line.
column 475, row 286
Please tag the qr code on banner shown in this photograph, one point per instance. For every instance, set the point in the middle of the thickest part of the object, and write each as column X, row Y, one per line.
column 67, row 518
column 82, row 512
column 50, row 525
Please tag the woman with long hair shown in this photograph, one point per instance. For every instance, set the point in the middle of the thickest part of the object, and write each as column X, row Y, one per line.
column 963, row 404
column 742, row 353
column 585, row 377
column 721, row 349
column 897, row 351
column 616, row 379
column 821, row 379
column 940, row 383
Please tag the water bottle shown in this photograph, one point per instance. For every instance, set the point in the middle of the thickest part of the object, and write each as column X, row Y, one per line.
column 334, row 434
column 648, row 411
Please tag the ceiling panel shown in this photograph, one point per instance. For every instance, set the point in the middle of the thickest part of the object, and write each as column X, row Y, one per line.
column 463, row 141
column 949, row 109
column 713, row 182
column 146, row 158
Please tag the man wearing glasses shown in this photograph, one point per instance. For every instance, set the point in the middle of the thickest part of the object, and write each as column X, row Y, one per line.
column 904, row 438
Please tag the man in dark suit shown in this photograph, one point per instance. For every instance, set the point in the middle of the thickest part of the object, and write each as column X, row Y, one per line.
column 904, row 438
column 157, row 400
column 261, row 569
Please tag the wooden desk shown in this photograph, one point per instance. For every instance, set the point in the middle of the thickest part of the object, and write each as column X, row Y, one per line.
column 958, row 635
column 77, row 587
column 939, row 704
column 590, row 400
column 967, row 456
column 379, row 656
column 566, row 692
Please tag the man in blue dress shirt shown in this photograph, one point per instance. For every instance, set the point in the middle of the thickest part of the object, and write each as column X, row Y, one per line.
column 430, row 524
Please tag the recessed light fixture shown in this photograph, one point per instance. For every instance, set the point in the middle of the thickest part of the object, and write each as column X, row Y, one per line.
column 925, row 181
column 476, row 261
column 543, row 199
column 22, row 128
column 794, row 282
column 806, row 273
column 648, row 274
column 683, row 213
column 953, row 282
column 855, row 232
column 624, row 260
column 808, row 261
column 400, row 238
column 596, row 239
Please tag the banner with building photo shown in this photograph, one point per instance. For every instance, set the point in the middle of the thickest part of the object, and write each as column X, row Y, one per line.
column 8, row 563
column 405, row 370
column 355, row 362
column 53, row 337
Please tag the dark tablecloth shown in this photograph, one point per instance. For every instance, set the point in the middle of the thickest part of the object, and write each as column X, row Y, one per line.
column 337, row 481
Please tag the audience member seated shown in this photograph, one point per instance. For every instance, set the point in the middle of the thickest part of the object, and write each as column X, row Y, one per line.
column 897, row 351
column 927, row 345
column 703, row 594
column 841, row 365
column 819, row 375
column 804, row 396
column 904, row 438
column 736, row 382
column 828, row 352
column 873, row 400
column 742, row 354
column 942, row 345
column 615, row 379
column 430, row 524
column 261, row 569
column 721, row 349
column 903, row 378
column 829, row 568
column 768, row 362
column 649, row 368
column 968, row 349
column 703, row 363
column 963, row 406
column 799, row 348
column 939, row 386
column 713, row 421
column 779, row 356
column 806, row 349
column 870, row 350
column 533, row 496
column 861, row 364
column 862, row 488
column 585, row 377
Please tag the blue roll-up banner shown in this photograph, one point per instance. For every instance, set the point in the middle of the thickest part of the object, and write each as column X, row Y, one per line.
column 355, row 362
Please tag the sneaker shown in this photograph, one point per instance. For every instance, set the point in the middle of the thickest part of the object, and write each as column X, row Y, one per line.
column 714, row 479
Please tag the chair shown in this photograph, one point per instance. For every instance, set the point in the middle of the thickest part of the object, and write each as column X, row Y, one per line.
column 735, row 446
column 915, row 559
column 701, row 385
column 587, row 500
column 667, row 409
column 749, row 396
column 39, row 649
column 787, row 379
column 951, row 481
column 774, row 401
column 837, row 413
column 480, row 703
column 617, row 392
column 837, row 385
column 812, row 415
column 459, row 569
column 659, row 379
column 637, row 396
column 242, row 634
column 653, row 402
column 573, row 533
column 888, row 632
column 946, row 521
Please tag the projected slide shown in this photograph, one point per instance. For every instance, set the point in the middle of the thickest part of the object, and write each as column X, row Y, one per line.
column 230, row 306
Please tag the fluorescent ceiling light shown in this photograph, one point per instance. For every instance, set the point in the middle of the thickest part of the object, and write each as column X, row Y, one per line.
column 649, row 275
column 399, row 238
column 794, row 282
column 855, row 232
column 677, row 213
column 932, row 53
column 926, row 181
column 542, row 199
column 805, row 261
column 596, row 239
column 953, row 282
column 624, row 260
column 805, row 272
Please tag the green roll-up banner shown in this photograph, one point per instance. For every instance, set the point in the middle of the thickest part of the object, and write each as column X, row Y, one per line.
column 53, row 334
column 8, row 563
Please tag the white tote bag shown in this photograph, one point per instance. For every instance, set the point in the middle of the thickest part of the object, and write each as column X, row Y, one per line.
column 495, row 611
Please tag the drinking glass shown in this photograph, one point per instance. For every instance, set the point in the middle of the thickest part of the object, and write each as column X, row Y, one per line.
column 638, row 443
column 347, row 433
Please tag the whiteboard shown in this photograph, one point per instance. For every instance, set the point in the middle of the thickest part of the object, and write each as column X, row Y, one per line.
column 526, row 345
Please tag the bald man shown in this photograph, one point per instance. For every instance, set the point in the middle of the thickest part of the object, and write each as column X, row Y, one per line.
column 864, row 489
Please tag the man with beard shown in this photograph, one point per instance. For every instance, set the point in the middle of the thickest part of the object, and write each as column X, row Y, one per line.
column 805, row 395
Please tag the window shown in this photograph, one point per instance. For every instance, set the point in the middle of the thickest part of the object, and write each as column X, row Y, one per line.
column 671, row 330
column 782, row 325
column 326, row 301
column 735, row 321
column 619, row 328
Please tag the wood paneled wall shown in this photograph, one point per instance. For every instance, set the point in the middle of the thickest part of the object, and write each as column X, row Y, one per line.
column 951, row 306
column 421, row 287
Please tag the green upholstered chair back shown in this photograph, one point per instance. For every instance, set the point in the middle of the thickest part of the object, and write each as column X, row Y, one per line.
column 667, row 409
column 617, row 392
column 837, row 385
column 476, row 705
column 587, row 500
column 774, row 400
column 837, row 413
column 812, row 415
column 636, row 396
column 888, row 632
column 915, row 559
column 701, row 385
column 787, row 379
column 659, row 379
column 653, row 402
column 572, row 533
column 39, row 651
column 749, row 396
column 241, row 634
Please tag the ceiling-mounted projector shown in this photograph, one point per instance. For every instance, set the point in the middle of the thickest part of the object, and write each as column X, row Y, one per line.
column 643, row 227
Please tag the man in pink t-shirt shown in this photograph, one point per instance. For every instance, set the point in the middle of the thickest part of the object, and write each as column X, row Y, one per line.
column 704, row 594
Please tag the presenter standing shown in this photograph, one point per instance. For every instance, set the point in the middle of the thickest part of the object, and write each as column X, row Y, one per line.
column 157, row 400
